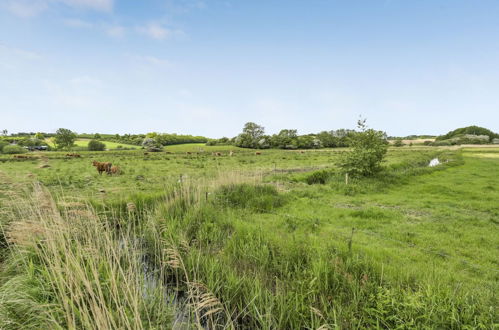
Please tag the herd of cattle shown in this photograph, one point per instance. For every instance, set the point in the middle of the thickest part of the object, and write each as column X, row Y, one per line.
column 111, row 169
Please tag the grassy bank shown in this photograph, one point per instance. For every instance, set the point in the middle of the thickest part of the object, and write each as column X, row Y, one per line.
column 251, row 241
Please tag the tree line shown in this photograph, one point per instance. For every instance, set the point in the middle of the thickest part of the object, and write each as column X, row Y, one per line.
column 253, row 136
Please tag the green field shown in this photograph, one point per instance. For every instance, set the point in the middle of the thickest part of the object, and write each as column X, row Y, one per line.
column 249, row 241
column 109, row 144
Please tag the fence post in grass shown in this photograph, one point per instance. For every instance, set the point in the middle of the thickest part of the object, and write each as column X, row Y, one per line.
column 206, row 195
column 350, row 241
column 346, row 178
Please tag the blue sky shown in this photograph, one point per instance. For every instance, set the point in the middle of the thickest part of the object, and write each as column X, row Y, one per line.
column 207, row 67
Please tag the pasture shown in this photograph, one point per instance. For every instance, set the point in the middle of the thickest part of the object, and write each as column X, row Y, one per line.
column 109, row 145
column 275, row 241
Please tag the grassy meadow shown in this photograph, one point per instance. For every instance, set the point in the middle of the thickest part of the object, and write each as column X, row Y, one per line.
column 83, row 143
column 187, row 239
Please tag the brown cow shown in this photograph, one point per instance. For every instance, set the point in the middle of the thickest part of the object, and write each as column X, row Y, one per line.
column 258, row 153
column 115, row 170
column 102, row 167
column 73, row 155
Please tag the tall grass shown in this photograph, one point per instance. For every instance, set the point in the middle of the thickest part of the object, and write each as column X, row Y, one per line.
column 217, row 244
column 71, row 270
column 267, row 279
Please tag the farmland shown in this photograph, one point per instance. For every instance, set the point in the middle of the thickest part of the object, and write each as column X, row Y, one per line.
column 83, row 143
column 250, row 241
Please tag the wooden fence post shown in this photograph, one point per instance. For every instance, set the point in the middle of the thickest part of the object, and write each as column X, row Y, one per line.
column 350, row 241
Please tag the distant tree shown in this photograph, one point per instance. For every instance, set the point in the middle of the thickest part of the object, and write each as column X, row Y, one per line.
column 151, row 144
column 472, row 130
column 5, row 132
column 286, row 139
column 64, row 138
column 39, row 136
column 251, row 137
column 31, row 142
column 254, row 131
column 328, row 139
column 97, row 136
column 369, row 148
column 94, row 145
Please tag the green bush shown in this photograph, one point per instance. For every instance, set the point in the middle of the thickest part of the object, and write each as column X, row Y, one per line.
column 259, row 198
column 442, row 143
column 369, row 148
column 94, row 145
column 3, row 144
column 318, row 177
column 398, row 143
column 13, row 149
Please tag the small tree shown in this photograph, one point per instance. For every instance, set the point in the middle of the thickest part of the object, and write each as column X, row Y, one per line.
column 64, row 138
column 150, row 144
column 368, row 150
column 251, row 136
column 94, row 145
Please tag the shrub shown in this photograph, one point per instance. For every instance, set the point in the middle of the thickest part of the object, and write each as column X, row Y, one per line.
column 152, row 145
column 94, row 145
column 13, row 149
column 259, row 198
column 318, row 177
column 398, row 143
column 369, row 148
column 3, row 144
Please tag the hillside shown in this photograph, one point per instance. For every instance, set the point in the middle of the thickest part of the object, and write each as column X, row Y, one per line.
column 470, row 130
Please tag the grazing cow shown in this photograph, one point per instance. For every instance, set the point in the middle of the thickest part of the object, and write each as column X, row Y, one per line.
column 258, row 153
column 302, row 152
column 73, row 155
column 146, row 154
column 218, row 154
column 188, row 153
column 102, row 167
column 114, row 170
column 21, row 156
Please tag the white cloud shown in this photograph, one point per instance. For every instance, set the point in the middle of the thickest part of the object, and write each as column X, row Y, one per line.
column 86, row 81
column 151, row 60
column 31, row 8
column 184, row 6
column 25, row 8
column 116, row 31
column 158, row 32
column 100, row 5
column 18, row 53
column 77, row 23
